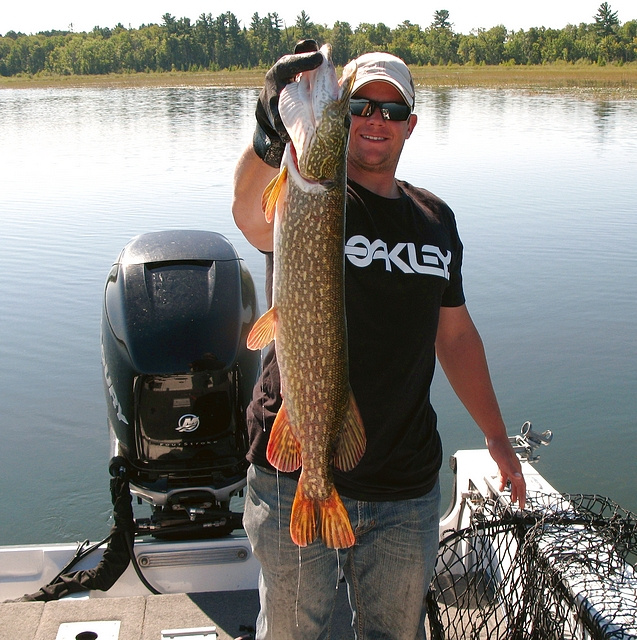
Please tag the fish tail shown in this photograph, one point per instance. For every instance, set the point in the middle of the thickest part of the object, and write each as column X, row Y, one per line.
column 335, row 527
column 303, row 519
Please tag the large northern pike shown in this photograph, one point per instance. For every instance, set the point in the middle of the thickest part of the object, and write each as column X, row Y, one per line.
column 318, row 424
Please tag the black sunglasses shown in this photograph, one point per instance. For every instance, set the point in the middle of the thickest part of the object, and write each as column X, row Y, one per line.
column 389, row 110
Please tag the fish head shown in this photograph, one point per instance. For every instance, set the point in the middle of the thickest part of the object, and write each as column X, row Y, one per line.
column 315, row 111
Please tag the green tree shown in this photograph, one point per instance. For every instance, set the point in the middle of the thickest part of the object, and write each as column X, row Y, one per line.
column 370, row 37
column 441, row 20
column 265, row 39
column 256, row 39
column 236, row 48
column 628, row 36
column 205, row 37
column 524, row 47
column 340, row 40
column 179, row 46
column 606, row 20
column 484, row 46
column 609, row 50
column 305, row 28
column 5, row 48
column 441, row 42
column 403, row 40
column 221, row 42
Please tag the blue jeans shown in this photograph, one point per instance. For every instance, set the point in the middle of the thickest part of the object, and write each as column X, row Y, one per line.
column 388, row 570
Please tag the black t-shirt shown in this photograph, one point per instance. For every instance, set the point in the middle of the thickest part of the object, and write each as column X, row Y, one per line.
column 403, row 262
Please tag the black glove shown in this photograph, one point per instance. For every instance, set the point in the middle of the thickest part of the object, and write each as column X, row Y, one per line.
column 270, row 136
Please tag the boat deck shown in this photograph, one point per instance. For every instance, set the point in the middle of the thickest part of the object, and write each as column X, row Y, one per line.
column 233, row 615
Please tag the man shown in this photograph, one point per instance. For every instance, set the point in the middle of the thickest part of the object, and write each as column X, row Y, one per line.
column 405, row 306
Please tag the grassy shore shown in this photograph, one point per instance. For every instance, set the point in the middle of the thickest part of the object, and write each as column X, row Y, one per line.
column 603, row 81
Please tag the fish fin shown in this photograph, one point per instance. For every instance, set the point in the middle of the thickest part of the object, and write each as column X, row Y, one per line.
column 262, row 332
column 352, row 440
column 303, row 518
column 335, row 527
column 272, row 193
column 284, row 451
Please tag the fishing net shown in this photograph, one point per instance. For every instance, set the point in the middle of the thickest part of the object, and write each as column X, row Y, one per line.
column 565, row 568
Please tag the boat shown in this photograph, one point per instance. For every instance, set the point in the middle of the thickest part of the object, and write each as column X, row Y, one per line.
column 177, row 308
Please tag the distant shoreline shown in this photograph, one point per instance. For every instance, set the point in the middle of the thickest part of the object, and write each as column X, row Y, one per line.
column 608, row 81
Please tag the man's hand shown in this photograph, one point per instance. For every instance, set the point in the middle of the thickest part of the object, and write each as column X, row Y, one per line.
column 270, row 136
column 510, row 469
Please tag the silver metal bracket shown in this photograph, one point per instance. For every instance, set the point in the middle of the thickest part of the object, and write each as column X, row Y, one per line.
column 527, row 443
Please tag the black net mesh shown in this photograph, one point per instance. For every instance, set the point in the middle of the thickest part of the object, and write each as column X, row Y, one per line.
column 563, row 568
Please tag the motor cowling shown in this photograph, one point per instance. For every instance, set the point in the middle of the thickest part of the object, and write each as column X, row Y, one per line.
column 178, row 306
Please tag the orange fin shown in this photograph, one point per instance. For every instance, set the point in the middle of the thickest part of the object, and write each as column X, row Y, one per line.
column 336, row 529
column 284, row 451
column 303, row 519
column 262, row 332
column 272, row 193
column 352, row 440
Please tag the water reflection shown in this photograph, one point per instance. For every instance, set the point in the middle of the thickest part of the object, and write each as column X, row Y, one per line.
column 440, row 103
column 604, row 112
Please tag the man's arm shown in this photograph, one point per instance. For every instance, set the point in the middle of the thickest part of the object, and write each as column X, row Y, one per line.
column 252, row 175
column 259, row 163
column 461, row 353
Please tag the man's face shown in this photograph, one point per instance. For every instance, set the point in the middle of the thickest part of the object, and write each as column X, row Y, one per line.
column 375, row 144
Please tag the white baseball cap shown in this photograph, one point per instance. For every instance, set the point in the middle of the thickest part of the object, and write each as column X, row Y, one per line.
column 385, row 67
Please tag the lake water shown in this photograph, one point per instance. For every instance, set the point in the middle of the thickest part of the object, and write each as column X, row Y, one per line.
column 544, row 188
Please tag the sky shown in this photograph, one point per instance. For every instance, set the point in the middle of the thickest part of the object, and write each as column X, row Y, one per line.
column 31, row 16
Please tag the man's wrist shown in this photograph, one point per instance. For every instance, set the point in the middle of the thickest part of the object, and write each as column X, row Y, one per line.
column 268, row 148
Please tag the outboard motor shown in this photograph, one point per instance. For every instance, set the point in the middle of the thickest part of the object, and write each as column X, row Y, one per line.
column 178, row 306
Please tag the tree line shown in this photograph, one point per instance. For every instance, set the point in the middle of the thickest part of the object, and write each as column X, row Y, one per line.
column 215, row 43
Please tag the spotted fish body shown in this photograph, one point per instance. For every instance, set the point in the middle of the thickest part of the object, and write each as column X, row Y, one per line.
column 318, row 424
